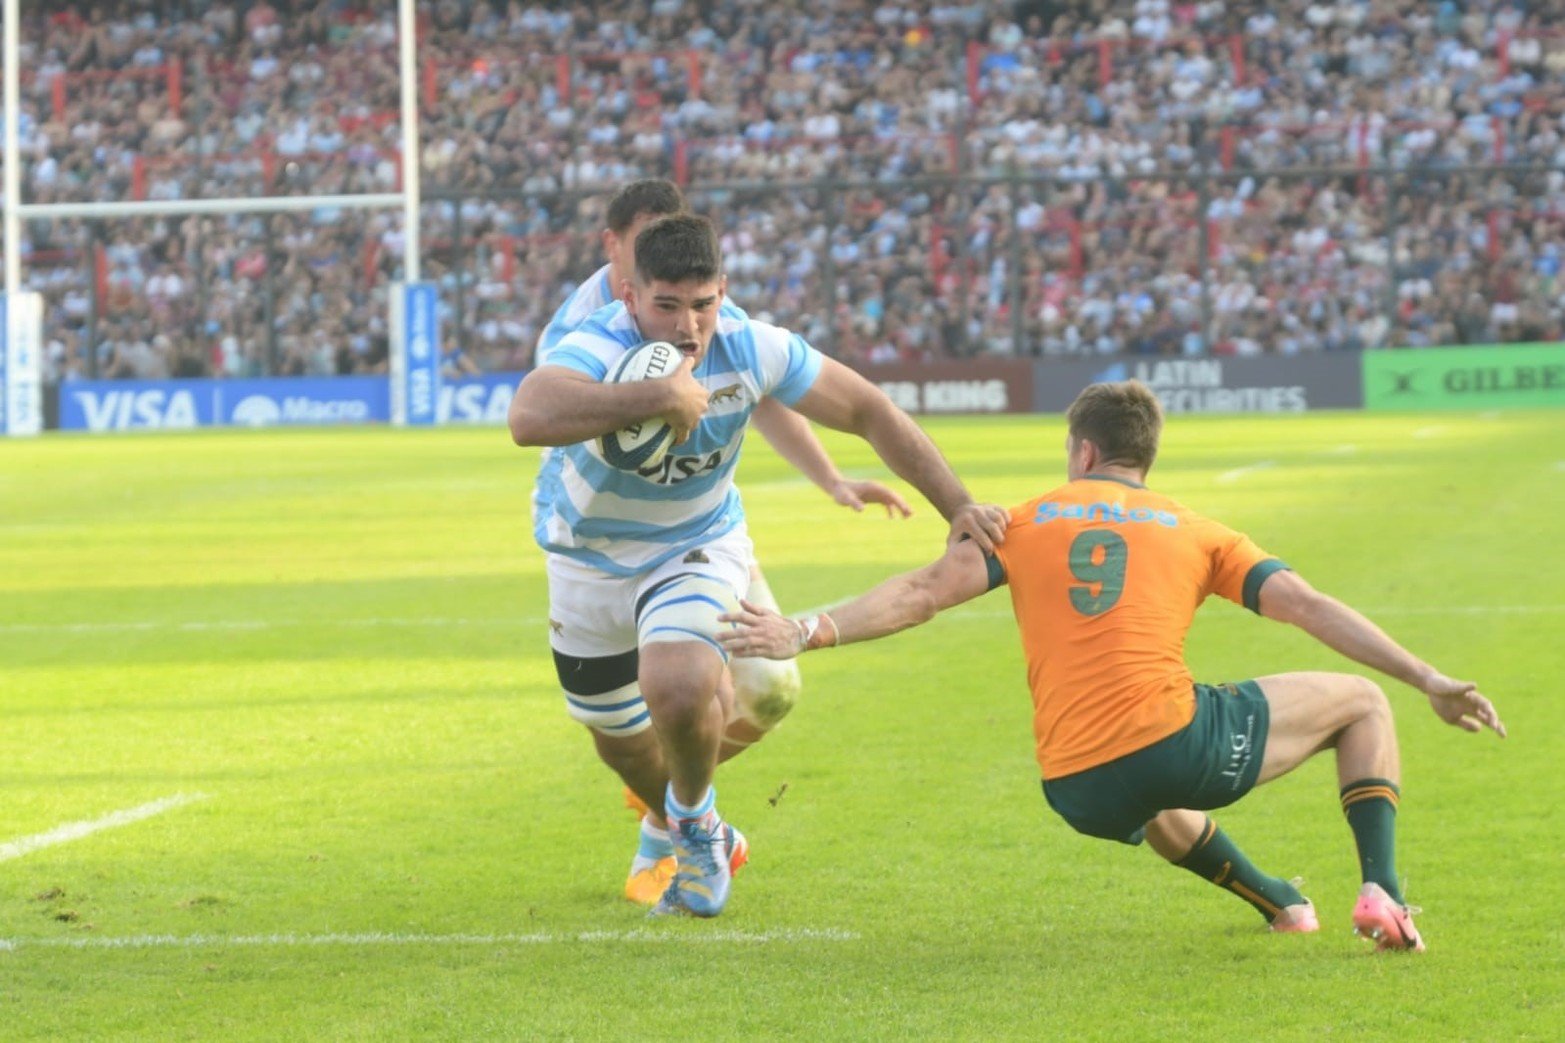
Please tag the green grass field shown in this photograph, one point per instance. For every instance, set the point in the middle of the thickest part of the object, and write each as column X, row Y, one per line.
column 332, row 645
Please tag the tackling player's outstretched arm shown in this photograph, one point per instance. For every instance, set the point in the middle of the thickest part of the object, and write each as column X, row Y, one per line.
column 907, row 600
column 1285, row 596
column 790, row 434
column 842, row 399
column 555, row 405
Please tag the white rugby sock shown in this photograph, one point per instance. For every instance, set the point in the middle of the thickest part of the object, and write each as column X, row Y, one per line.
column 655, row 846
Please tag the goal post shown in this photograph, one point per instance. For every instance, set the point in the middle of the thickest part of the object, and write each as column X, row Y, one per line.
column 21, row 363
column 413, row 304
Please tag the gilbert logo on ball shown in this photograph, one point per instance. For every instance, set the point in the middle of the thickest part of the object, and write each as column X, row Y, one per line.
column 645, row 442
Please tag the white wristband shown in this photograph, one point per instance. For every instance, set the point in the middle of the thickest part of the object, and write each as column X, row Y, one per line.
column 807, row 628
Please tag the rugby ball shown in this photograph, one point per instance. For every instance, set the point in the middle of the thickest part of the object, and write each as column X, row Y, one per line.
column 642, row 444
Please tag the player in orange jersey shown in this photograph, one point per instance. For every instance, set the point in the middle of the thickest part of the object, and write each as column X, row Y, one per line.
column 1105, row 577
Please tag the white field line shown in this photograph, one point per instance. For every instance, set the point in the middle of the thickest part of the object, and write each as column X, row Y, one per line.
column 1382, row 610
column 1559, row 465
column 436, row 622
column 220, row 941
column 133, row 626
column 1229, row 477
column 1346, row 449
column 1432, row 431
column 76, row 830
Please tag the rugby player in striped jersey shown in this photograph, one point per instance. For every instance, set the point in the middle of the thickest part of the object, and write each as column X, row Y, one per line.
column 642, row 564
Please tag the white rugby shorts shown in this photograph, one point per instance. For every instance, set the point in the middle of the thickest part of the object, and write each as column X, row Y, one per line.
column 593, row 613
column 597, row 621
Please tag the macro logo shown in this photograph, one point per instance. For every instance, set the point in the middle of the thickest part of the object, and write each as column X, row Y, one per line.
column 301, row 409
column 257, row 411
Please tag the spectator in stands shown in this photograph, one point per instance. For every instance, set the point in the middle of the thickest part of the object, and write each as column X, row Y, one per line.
column 1113, row 100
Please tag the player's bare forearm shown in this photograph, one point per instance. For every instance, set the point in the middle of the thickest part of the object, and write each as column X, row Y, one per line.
column 790, row 434
column 1287, row 597
column 914, row 457
column 897, row 604
column 844, row 400
column 795, row 441
column 557, row 406
column 906, row 449
column 1350, row 632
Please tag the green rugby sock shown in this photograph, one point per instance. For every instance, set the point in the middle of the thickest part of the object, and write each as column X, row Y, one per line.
column 1217, row 859
column 1371, row 807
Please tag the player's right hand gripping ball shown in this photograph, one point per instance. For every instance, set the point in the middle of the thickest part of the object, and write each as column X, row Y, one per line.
column 642, row 444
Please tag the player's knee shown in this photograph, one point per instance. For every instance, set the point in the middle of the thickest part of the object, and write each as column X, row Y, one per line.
column 1370, row 700
column 676, row 698
column 765, row 690
column 1360, row 700
column 667, row 696
column 1376, row 703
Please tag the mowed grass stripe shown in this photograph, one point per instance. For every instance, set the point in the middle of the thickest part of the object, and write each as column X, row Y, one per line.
column 716, row 936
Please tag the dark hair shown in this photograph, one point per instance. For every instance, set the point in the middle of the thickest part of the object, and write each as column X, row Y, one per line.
column 1123, row 419
column 652, row 195
column 678, row 249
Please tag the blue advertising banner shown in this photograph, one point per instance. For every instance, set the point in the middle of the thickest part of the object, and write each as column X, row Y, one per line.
column 478, row 400
column 136, row 405
column 21, row 364
column 300, row 400
column 156, row 405
column 415, row 354
column 145, row 405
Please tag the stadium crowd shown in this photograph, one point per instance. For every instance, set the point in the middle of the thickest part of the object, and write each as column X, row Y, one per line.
column 895, row 180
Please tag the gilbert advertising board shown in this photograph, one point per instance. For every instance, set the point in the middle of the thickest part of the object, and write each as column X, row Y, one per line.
column 1495, row 376
column 1270, row 384
column 415, row 354
column 21, row 364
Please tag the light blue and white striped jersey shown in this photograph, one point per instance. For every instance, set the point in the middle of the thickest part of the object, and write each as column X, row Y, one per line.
column 625, row 523
column 592, row 294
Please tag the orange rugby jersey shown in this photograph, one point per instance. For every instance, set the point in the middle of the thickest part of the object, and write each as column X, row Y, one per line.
column 1105, row 579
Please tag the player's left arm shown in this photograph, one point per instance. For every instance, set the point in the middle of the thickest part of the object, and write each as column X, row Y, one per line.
column 962, row 573
column 1287, row 597
column 795, row 441
column 844, row 400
